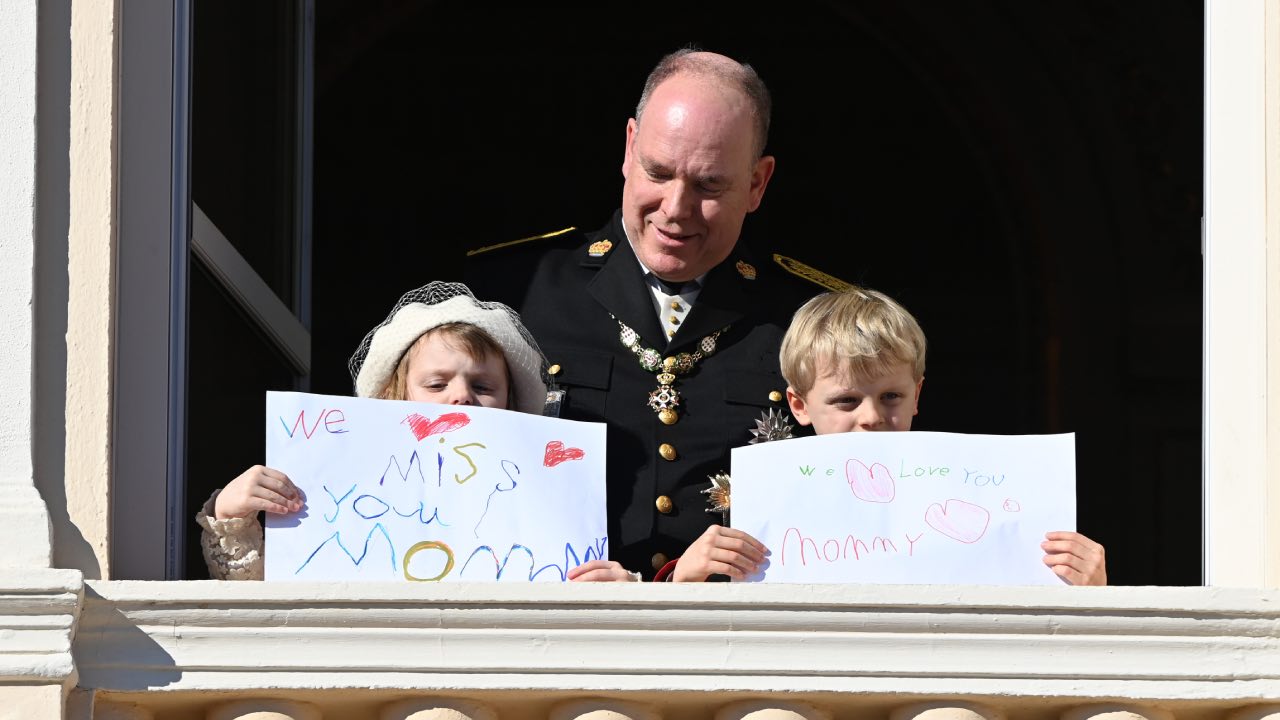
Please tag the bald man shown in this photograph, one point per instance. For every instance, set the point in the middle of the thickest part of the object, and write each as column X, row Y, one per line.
column 660, row 324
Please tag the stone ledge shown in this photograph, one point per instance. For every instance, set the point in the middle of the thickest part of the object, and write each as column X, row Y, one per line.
column 1086, row 643
column 39, row 609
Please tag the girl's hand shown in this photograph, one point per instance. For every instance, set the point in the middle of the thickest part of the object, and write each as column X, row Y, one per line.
column 1075, row 558
column 600, row 571
column 720, row 551
column 258, row 488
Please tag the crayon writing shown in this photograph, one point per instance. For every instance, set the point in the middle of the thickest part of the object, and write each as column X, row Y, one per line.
column 337, row 502
column 337, row 508
column 873, row 482
column 331, row 419
column 336, row 537
column 497, row 489
column 807, row 470
column 571, row 559
column 414, row 462
column 428, row 545
column 355, row 505
column 470, row 462
column 435, row 515
column 446, row 559
column 804, row 548
column 371, row 513
column 979, row 479
column 921, row 470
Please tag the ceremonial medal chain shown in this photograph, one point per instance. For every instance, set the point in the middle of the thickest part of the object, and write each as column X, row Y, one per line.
column 665, row 400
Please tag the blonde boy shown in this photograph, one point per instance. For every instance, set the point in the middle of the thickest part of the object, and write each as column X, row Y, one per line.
column 854, row 361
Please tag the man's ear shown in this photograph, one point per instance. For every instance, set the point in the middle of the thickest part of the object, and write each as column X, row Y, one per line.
column 626, row 152
column 798, row 409
column 919, row 387
column 760, row 175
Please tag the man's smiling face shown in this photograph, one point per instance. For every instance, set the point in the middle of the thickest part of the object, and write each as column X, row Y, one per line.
column 691, row 176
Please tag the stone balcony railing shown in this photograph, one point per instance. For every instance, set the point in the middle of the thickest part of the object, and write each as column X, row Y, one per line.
column 273, row 651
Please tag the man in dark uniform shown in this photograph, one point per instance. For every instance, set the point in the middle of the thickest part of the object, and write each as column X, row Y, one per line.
column 659, row 324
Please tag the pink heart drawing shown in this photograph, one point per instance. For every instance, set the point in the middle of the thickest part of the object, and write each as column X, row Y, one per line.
column 558, row 453
column 872, row 484
column 422, row 427
column 959, row 520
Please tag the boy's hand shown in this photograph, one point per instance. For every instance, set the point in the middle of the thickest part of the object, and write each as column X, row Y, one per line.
column 600, row 571
column 1075, row 558
column 720, row 551
column 258, row 488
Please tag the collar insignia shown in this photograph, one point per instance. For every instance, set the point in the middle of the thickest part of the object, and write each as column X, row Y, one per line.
column 746, row 270
column 600, row 248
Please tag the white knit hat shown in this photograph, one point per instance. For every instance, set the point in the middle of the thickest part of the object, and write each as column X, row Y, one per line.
column 440, row 303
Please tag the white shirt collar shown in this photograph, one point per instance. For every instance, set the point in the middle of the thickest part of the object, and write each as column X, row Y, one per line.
column 671, row 309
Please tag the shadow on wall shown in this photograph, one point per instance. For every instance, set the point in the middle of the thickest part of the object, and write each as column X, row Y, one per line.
column 70, row 549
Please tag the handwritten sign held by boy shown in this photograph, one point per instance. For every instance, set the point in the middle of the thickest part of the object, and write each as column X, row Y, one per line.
column 919, row 507
column 421, row 492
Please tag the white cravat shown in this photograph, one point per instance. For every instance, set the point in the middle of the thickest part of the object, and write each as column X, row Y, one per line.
column 671, row 303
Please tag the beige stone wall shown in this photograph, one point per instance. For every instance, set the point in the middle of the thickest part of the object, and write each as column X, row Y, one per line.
column 31, row 702
column 91, row 272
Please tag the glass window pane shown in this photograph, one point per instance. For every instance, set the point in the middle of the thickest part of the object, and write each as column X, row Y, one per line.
column 243, row 134
column 230, row 365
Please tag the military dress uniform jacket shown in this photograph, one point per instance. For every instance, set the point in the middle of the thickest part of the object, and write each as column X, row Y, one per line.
column 566, row 288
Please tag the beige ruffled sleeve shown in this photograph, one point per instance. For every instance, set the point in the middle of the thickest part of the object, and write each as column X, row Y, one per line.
column 232, row 548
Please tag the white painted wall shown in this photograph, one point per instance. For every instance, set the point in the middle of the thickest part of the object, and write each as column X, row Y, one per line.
column 1235, row 276
column 24, row 523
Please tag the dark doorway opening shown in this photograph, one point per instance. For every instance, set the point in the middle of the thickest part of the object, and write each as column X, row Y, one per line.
column 1026, row 178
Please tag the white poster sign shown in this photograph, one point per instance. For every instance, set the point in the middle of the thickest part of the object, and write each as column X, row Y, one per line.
column 412, row 491
column 906, row 507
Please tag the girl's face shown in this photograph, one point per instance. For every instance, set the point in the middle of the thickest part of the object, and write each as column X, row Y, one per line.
column 440, row 373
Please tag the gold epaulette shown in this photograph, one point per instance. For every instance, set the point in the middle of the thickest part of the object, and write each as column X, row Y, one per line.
column 499, row 246
column 813, row 275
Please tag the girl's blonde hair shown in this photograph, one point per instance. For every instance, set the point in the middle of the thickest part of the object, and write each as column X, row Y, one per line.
column 471, row 340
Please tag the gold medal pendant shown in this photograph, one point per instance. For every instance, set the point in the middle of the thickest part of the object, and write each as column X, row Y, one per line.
column 665, row 400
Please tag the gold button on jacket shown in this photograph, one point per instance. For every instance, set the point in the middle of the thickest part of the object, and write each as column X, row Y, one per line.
column 775, row 396
column 664, row 504
column 667, row 451
column 658, row 560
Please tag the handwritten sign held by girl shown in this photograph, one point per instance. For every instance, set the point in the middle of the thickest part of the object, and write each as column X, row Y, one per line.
column 409, row 491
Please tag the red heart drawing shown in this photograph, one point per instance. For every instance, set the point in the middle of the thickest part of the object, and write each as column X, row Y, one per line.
column 422, row 427
column 959, row 520
column 558, row 453
column 872, row 484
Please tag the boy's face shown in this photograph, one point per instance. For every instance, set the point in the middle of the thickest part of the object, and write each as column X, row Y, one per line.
column 441, row 373
column 838, row 403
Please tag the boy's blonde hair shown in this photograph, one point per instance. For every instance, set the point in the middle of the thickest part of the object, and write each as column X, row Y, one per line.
column 866, row 331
